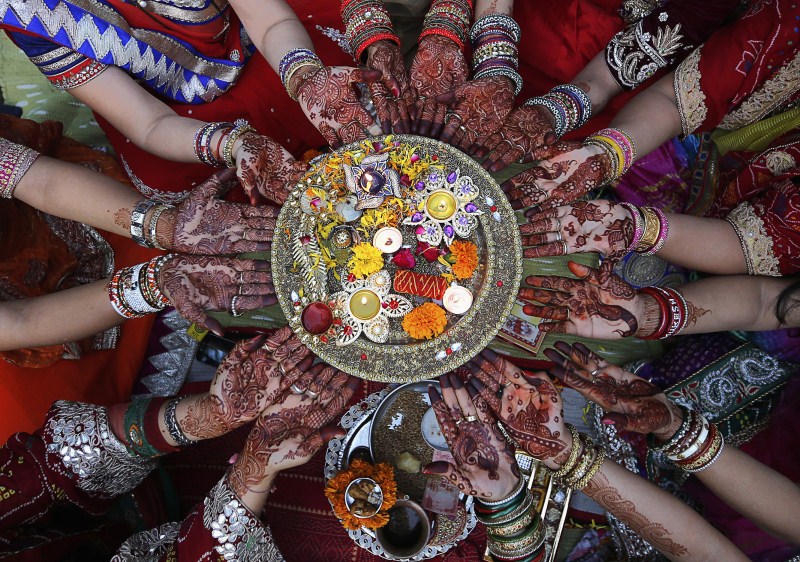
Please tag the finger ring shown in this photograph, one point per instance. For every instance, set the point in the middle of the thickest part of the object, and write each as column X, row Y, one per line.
column 234, row 312
column 282, row 368
column 558, row 236
column 462, row 128
column 311, row 393
column 470, row 419
column 241, row 278
column 296, row 389
column 459, row 422
column 565, row 246
column 558, row 224
column 244, row 236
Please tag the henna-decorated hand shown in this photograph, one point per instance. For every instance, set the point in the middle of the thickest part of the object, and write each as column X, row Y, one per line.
column 266, row 169
column 485, row 463
column 289, row 432
column 598, row 304
column 570, row 171
column 585, row 226
column 203, row 224
column 391, row 94
column 527, row 404
column 525, row 131
column 250, row 378
column 439, row 67
column 196, row 284
column 477, row 111
column 630, row 402
column 330, row 100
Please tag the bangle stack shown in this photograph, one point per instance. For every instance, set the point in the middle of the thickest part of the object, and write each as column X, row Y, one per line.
column 514, row 527
column 449, row 18
column 583, row 463
column 367, row 22
column 134, row 292
column 620, row 148
column 147, row 238
column 674, row 312
column 291, row 63
column 570, row 106
column 696, row 445
column 141, row 428
column 240, row 128
column 202, row 143
column 171, row 421
column 15, row 160
column 494, row 48
column 653, row 226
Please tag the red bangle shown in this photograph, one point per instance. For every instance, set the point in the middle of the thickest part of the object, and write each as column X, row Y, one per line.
column 151, row 429
column 663, row 306
column 374, row 39
column 443, row 33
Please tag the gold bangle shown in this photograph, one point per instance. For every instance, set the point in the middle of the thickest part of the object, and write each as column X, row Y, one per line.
column 573, row 455
column 241, row 128
column 600, row 457
column 652, row 229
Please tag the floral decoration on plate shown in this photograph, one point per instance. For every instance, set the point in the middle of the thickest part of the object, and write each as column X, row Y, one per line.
column 396, row 259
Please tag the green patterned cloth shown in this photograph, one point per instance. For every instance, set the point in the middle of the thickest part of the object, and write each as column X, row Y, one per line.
column 22, row 85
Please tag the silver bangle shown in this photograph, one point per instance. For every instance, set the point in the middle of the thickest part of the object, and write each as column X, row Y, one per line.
column 153, row 225
column 517, row 491
column 137, row 221
column 508, row 72
column 171, row 421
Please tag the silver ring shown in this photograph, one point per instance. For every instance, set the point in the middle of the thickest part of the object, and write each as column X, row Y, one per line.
column 282, row 368
column 235, row 313
column 296, row 389
column 241, row 278
column 470, row 419
column 558, row 236
column 594, row 373
column 462, row 128
column 565, row 246
column 311, row 393
column 244, row 236
column 462, row 420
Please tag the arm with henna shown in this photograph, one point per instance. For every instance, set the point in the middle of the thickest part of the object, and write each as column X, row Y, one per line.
column 772, row 501
column 530, row 407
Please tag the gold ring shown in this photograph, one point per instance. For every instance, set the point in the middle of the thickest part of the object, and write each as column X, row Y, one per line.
column 241, row 278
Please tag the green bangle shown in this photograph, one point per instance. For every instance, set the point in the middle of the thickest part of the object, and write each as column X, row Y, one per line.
column 138, row 445
column 519, row 537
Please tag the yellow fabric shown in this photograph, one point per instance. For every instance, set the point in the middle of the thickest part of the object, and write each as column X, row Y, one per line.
column 758, row 136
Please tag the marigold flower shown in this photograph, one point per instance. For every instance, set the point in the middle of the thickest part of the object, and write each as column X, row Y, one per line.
column 425, row 322
column 465, row 256
column 382, row 474
column 366, row 260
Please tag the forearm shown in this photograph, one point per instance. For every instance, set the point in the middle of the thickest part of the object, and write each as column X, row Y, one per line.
column 771, row 500
column 486, row 7
column 77, row 193
column 703, row 244
column 598, row 83
column 673, row 528
column 273, row 28
column 57, row 318
column 651, row 118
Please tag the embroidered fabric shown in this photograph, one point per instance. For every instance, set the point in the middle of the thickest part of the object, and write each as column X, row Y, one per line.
column 81, row 445
column 633, row 10
column 167, row 197
column 636, row 53
column 241, row 535
column 756, row 243
column 690, row 96
column 770, row 96
column 148, row 546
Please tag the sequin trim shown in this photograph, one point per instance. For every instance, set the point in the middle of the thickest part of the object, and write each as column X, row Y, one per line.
column 690, row 95
column 756, row 243
column 150, row 545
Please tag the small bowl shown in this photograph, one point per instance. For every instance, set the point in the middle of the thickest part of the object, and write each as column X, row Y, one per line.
column 374, row 500
column 408, row 531
column 432, row 432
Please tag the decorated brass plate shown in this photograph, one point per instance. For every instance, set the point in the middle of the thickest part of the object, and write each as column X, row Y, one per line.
column 396, row 259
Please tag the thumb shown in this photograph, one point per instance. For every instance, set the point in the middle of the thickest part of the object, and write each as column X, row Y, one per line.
column 579, row 270
column 331, row 432
column 616, row 418
column 363, row 75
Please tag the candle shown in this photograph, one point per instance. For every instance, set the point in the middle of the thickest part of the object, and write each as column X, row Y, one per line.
column 441, row 205
column 457, row 299
column 372, row 182
column 365, row 304
column 388, row 240
column 316, row 318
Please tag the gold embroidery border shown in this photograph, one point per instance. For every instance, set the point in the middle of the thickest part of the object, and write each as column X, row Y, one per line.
column 689, row 93
column 756, row 243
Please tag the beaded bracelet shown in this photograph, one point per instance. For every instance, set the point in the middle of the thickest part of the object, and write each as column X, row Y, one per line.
column 127, row 295
column 152, row 227
column 366, row 22
column 505, row 501
column 15, row 160
column 494, row 48
column 448, row 18
column 581, row 100
column 148, row 282
column 138, row 444
column 638, row 226
column 239, row 129
column 202, row 143
column 171, row 421
column 572, row 460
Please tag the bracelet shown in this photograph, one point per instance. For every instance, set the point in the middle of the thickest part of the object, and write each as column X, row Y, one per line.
column 15, row 160
column 709, row 457
column 366, row 23
column 125, row 291
column 151, row 428
column 152, row 293
column 507, row 500
column 151, row 238
column 662, row 234
column 560, row 124
column 137, row 221
column 171, row 421
column 638, row 226
column 521, row 544
column 512, row 527
column 663, row 306
column 525, row 505
column 448, row 18
column 582, row 100
column 509, row 73
column 202, row 143
column 619, row 145
column 696, row 441
column 652, row 231
column 138, row 445
column 679, row 434
column 597, row 463
column 496, row 21
column 241, row 128
column 572, row 460
column 290, row 64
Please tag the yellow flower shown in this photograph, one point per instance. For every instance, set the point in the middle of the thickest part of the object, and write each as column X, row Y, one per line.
column 425, row 322
column 382, row 474
column 366, row 260
column 466, row 258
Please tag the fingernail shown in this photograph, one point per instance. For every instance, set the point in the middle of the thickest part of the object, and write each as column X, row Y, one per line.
column 306, row 363
column 558, row 372
column 263, row 247
column 533, row 381
column 262, row 265
column 606, row 421
column 535, row 210
column 554, row 356
column 444, row 381
column 506, row 185
column 255, row 343
column 472, row 367
column 517, row 205
column 563, row 347
column 582, row 348
column 478, row 384
column 457, row 383
column 353, row 383
column 471, row 390
column 438, row 467
column 490, row 355
column 433, row 394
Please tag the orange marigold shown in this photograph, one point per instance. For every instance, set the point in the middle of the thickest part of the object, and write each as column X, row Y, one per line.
column 382, row 474
column 465, row 255
column 425, row 322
